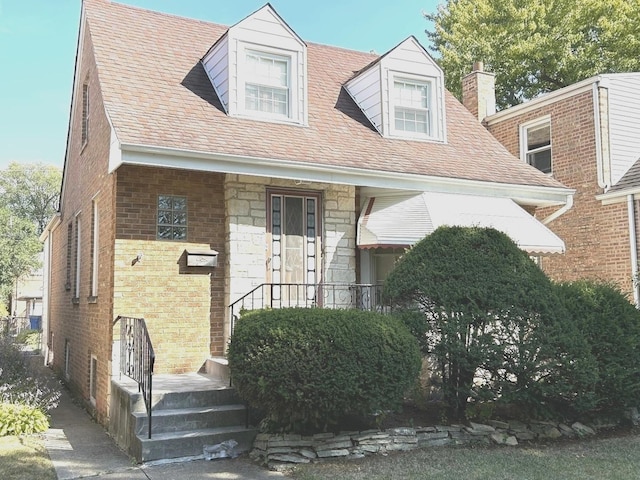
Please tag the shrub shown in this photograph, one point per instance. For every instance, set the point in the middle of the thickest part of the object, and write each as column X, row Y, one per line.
column 20, row 384
column 21, row 420
column 309, row 368
column 482, row 308
column 610, row 324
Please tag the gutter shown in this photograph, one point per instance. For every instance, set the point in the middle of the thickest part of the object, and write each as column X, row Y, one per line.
column 135, row 154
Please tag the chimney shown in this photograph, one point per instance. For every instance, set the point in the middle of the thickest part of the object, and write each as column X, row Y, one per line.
column 479, row 92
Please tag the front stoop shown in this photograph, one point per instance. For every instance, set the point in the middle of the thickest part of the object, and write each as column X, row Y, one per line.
column 189, row 411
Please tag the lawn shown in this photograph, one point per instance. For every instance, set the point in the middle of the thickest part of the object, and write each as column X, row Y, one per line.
column 616, row 458
column 25, row 458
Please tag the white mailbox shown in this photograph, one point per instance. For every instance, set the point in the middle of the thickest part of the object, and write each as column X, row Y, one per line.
column 202, row 258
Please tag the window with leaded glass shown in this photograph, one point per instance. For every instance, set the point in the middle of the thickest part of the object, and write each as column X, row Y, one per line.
column 172, row 217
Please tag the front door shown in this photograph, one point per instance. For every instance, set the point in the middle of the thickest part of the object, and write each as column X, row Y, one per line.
column 294, row 246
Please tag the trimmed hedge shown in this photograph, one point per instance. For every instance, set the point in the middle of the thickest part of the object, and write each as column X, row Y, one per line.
column 309, row 368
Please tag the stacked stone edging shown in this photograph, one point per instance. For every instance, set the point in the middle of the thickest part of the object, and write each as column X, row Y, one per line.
column 282, row 450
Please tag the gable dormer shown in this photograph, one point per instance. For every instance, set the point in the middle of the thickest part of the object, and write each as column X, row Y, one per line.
column 402, row 93
column 258, row 68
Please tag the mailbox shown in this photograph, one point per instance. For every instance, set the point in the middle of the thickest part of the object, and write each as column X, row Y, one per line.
column 202, row 258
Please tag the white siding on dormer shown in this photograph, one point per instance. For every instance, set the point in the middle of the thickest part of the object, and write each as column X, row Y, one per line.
column 624, row 121
column 216, row 64
column 366, row 91
column 372, row 90
column 265, row 28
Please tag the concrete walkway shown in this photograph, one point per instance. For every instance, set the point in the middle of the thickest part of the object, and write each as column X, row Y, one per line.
column 80, row 448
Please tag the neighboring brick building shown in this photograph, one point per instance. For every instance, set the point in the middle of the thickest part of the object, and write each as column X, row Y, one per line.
column 193, row 144
column 586, row 136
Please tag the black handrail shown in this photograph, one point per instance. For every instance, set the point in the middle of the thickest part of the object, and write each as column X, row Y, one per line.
column 137, row 357
column 361, row 296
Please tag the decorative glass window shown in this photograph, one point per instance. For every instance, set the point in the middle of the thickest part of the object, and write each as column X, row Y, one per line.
column 172, row 217
column 412, row 109
column 267, row 84
column 536, row 145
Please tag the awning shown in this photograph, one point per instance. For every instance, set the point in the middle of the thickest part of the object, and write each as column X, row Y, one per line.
column 402, row 220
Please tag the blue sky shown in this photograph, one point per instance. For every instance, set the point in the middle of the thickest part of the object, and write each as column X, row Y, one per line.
column 38, row 43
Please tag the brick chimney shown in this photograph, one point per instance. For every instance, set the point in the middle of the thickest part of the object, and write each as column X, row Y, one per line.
column 479, row 92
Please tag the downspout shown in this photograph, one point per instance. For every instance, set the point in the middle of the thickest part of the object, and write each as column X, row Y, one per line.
column 561, row 211
column 634, row 247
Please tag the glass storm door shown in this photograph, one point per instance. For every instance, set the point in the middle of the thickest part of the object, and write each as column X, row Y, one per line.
column 294, row 247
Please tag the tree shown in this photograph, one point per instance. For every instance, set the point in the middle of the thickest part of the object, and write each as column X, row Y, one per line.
column 19, row 248
column 535, row 46
column 31, row 192
column 487, row 310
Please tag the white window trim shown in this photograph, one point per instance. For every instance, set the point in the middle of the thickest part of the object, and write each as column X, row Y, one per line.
column 523, row 134
column 93, row 376
column 96, row 249
column 432, row 109
column 293, row 83
column 78, row 243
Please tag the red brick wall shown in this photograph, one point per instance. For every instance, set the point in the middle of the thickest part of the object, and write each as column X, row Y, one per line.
column 183, row 306
column 83, row 322
column 596, row 236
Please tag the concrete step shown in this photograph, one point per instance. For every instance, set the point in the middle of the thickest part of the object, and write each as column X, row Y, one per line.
column 185, row 399
column 195, row 418
column 170, row 445
column 218, row 367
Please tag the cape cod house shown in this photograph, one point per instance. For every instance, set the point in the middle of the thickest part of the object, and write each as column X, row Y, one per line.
column 586, row 136
column 209, row 165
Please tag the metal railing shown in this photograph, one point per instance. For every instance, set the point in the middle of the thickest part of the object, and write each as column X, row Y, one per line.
column 137, row 357
column 323, row 295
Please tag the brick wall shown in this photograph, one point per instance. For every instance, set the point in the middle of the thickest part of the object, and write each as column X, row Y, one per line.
column 183, row 306
column 84, row 323
column 596, row 236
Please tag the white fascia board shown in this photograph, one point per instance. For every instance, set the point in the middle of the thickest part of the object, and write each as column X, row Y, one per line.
column 51, row 226
column 619, row 196
column 313, row 172
column 546, row 99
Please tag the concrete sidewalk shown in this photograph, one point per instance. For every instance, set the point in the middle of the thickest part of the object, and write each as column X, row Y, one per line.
column 79, row 448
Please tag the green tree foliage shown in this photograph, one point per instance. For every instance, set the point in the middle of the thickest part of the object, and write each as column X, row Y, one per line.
column 19, row 248
column 535, row 46
column 481, row 308
column 31, row 192
column 309, row 368
column 611, row 326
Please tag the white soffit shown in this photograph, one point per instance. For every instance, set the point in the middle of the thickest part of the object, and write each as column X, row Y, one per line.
column 403, row 220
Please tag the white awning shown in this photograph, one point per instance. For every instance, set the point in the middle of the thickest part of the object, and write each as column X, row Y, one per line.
column 402, row 220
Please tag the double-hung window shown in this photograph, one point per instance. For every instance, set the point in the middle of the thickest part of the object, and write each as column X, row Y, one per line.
column 412, row 107
column 267, row 88
column 536, row 145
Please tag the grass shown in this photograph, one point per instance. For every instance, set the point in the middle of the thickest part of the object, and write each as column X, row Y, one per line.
column 25, row 458
column 609, row 458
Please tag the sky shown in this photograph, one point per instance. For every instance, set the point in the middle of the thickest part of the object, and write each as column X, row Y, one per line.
column 38, row 41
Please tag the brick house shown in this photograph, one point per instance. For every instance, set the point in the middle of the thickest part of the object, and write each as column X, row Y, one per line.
column 207, row 162
column 586, row 136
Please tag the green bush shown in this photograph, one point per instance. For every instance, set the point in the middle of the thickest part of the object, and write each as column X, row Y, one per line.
column 20, row 384
column 610, row 324
column 21, row 420
column 484, row 310
column 309, row 368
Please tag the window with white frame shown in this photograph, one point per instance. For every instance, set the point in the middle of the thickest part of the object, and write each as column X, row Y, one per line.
column 535, row 144
column 78, row 256
column 412, row 107
column 267, row 84
column 94, row 248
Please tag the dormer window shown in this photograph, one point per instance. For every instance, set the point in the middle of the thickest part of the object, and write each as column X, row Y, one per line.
column 412, row 106
column 267, row 83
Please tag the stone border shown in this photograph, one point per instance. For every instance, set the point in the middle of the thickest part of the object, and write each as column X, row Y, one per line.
column 284, row 451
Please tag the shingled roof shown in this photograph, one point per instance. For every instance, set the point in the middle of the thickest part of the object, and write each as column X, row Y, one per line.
column 156, row 93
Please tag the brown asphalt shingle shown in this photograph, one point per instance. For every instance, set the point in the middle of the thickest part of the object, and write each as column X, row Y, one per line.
column 157, row 93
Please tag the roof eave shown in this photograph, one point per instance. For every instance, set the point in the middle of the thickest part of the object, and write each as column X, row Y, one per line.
column 535, row 195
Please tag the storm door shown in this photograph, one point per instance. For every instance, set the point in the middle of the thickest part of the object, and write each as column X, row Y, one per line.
column 294, row 245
